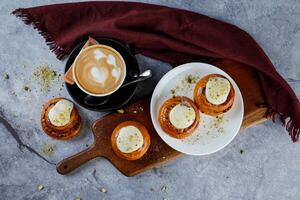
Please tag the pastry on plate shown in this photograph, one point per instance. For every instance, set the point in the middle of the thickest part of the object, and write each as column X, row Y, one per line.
column 60, row 119
column 214, row 94
column 130, row 140
column 179, row 117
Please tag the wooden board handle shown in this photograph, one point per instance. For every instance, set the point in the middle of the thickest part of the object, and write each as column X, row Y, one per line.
column 69, row 164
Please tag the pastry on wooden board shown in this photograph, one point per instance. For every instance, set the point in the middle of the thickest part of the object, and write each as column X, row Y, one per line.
column 60, row 119
column 179, row 117
column 130, row 140
column 214, row 94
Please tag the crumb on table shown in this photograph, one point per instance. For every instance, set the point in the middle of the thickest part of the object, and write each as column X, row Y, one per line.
column 121, row 111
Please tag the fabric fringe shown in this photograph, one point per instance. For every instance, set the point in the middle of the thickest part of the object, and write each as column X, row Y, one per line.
column 29, row 20
column 289, row 125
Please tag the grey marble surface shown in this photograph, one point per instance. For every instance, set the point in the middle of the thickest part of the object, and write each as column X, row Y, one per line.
column 268, row 168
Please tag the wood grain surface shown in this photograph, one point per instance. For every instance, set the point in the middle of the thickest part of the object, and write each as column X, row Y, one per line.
column 159, row 152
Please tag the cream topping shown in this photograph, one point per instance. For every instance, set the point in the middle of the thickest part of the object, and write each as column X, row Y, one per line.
column 182, row 116
column 60, row 113
column 217, row 90
column 129, row 139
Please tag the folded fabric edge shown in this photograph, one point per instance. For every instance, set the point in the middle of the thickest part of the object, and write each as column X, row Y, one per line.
column 25, row 16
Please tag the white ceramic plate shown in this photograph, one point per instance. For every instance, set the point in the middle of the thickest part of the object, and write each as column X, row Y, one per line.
column 213, row 133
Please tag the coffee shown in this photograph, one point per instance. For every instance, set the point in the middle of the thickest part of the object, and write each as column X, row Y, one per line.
column 99, row 70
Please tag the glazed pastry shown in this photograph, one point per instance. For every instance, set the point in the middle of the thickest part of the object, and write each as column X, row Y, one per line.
column 214, row 94
column 179, row 117
column 60, row 119
column 130, row 140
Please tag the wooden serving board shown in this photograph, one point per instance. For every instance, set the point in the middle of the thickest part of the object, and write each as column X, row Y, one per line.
column 159, row 152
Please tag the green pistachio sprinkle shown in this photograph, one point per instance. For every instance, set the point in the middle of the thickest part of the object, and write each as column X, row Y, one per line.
column 40, row 187
column 6, row 76
column 103, row 190
column 26, row 88
column 45, row 75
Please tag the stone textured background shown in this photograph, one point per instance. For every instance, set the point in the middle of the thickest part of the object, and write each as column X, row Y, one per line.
column 268, row 168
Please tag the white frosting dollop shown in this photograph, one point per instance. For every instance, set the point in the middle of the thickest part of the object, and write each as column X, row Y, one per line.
column 217, row 90
column 182, row 116
column 129, row 139
column 60, row 113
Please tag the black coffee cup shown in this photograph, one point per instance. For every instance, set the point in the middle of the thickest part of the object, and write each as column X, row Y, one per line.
column 119, row 97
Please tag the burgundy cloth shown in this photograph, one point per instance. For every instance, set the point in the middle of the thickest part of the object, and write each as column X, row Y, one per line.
column 171, row 35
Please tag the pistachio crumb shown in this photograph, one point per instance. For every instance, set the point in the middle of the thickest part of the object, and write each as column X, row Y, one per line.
column 40, row 187
column 6, row 76
column 48, row 149
column 26, row 88
column 121, row 111
column 164, row 188
column 103, row 190
column 45, row 75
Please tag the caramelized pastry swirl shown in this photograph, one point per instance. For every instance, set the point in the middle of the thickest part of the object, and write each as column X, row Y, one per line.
column 204, row 105
column 65, row 132
column 137, row 154
column 165, row 122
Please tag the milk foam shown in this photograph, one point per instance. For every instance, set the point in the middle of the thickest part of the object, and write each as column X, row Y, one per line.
column 116, row 72
column 99, row 54
column 99, row 74
column 111, row 60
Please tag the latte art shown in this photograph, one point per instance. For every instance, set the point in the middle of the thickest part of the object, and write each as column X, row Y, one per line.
column 98, row 74
column 99, row 70
column 111, row 60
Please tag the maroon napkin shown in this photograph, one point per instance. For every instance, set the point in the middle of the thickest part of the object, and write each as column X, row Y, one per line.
column 171, row 35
